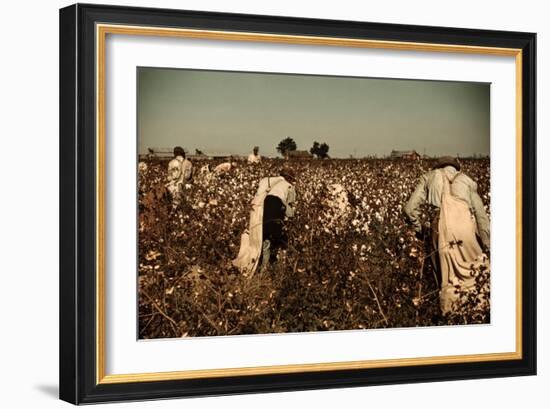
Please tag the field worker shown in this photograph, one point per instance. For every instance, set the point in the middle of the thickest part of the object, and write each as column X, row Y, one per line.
column 179, row 172
column 255, row 157
column 461, row 219
column 272, row 205
column 225, row 167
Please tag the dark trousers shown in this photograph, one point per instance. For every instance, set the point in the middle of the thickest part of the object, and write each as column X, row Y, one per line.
column 273, row 228
column 433, row 249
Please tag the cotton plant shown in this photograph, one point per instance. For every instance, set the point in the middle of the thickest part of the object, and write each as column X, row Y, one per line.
column 355, row 269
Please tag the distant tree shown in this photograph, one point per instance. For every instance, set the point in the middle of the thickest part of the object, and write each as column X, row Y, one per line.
column 323, row 150
column 198, row 152
column 315, row 148
column 286, row 145
column 319, row 150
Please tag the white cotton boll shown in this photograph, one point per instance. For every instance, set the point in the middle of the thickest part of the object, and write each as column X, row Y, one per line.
column 142, row 166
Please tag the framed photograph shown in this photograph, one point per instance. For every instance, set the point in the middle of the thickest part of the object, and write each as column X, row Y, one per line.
column 257, row 203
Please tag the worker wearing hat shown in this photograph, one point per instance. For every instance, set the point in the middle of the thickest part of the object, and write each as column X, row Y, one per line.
column 272, row 206
column 460, row 229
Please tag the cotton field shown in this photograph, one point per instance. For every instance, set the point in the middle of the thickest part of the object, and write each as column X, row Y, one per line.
column 352, row 262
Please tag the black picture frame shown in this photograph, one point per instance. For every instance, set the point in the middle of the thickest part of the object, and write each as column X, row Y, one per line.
column 78, row 236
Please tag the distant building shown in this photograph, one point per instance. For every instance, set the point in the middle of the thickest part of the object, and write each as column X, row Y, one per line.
column 200, row 156
column 299, row 155
column 161, row 153
column 168, row 153
column 408, row 155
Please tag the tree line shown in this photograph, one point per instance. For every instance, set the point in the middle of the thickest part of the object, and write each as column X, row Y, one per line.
column 320, row 150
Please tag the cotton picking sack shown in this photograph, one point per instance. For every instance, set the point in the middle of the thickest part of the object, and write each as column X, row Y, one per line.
column 460, row 254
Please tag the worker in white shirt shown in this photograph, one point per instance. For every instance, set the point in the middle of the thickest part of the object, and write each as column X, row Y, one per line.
column 255, row 157
column 180, row 171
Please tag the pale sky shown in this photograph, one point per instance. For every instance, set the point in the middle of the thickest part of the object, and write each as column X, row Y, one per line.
column 222, row 112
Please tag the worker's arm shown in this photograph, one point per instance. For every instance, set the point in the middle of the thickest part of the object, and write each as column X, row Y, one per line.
column 187, row 169
column 482, row 220
column 290, row 202
column 412, row 208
